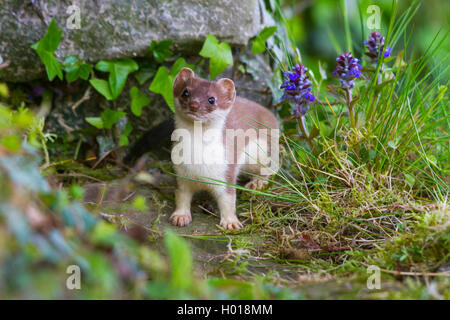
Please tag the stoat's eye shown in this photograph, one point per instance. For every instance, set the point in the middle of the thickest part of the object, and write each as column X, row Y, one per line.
column 185, row 93
column 211, row 100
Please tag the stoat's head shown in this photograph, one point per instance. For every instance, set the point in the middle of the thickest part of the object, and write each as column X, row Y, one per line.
column 201, row 100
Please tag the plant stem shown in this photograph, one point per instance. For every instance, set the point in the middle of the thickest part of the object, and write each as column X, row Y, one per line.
column 44, row 148
column 350, row 108
column 305, row 135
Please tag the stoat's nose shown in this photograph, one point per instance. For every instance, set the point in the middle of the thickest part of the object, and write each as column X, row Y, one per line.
column 194, row 106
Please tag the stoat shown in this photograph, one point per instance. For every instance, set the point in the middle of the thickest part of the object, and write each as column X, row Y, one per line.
column 218, row 135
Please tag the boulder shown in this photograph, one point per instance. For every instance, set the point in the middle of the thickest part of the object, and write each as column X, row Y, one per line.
column 111, row 29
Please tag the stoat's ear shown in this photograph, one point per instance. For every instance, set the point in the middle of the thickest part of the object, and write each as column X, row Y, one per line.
column 227, row 93
column 182, row 77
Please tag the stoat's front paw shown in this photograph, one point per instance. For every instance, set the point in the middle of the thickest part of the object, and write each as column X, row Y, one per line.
column 180, row 218
column 256, row 184
column 231, row 224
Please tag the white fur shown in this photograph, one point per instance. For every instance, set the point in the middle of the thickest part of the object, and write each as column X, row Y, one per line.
column 207, row 151
column 207, row 162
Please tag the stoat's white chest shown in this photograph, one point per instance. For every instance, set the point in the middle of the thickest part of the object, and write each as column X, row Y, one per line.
column 203, row 151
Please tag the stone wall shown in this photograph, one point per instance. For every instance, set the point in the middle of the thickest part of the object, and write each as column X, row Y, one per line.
column 111, row 29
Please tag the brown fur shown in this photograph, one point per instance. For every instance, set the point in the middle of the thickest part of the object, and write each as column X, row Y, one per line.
column 245, row 114
column 192, row 96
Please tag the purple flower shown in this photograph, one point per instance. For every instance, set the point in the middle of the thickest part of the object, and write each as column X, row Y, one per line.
column 37, row 91
column 347, row 69
column 388, row 52
column 375, row 45
column 297, row 89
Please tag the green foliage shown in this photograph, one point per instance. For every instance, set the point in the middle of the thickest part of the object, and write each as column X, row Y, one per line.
column 108, row 118
column 425, row 247
column 259, row 43
column 96, row 122
column 161, row 50
column 146, row 72
column 162, row 84
column 102, row 86
column 219, row 54
column 123, row 138
column 75, row 69
column 45, row 49
column 180, row 260
column 365, row 195
column 163, row 81
column 140, row 204
column 138, row 101
column 118, row 74
column 36, row 250
column 76, row 192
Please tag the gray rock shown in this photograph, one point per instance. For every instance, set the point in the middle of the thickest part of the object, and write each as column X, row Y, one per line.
column 112, row 29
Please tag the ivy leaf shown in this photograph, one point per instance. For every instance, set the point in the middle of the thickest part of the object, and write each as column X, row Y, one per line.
column 45, row 49
column 259, row 44
column 161, row 50
column 162, row 84
column 118, row 73
column 51, row 39
column 76, row 69
column 95, row 121
column 107, row 120
column 123, row 138
column 219, row 55
column 163, row 81
column 178, row 65
column 102, row 87
column 138, row 101
column 85, row 71
column 71, row 66
column 110, row 117
column 146, row 71
column 52, row 65
column 71, row 63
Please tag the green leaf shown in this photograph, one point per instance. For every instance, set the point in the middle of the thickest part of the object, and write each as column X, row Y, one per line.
column 45, row 49
column 180, row 260
column 76, row 69
column 52, row 37
column 95, row 121
column 178, row 65
column 259, row 44
column 219, row 55
column 146, row 71
column 72, row 76
column 123, row 138
column 118, row 73
column 162, row 84
column 52, row 66
column 138, row 101
column 110, row 117
column 77, row 192
column 85, row 71
column 102, row 87
column 161, row 50
column 163, row 81
column 71, row 63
